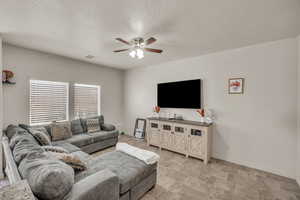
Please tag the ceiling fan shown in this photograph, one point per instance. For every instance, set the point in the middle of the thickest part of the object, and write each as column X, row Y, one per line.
column 138, row 46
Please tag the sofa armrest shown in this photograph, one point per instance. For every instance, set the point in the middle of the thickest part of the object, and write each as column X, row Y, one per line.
column 108, row 127
column 103, row 185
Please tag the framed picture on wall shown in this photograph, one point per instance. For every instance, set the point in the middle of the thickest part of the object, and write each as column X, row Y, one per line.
column 236, row 85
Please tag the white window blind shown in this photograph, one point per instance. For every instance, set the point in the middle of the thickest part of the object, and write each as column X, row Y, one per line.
column 86, row 100
column 49, row 101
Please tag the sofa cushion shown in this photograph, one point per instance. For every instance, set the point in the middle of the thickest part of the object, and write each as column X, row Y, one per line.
column 129, row 169
column 20, row 135
column 49, row 178
column 83, row 121
column 41, row 136
column 80, row 140
column 46, row 129
column 11, row 130
column 76, row 127
column 61, row 130
column 23, row 144
column 93, row 125
column 67, row 146
column 103, row 135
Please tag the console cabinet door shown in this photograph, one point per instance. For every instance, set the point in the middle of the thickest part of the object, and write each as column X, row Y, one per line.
column 167, row 140
column 167, row 136
column 155, row 138
column 195, row 146
column 180, row 138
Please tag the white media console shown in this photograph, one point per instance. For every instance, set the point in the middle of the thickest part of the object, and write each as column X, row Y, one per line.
column 190, row 138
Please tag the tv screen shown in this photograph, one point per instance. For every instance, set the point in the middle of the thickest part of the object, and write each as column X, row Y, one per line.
column 182, row 94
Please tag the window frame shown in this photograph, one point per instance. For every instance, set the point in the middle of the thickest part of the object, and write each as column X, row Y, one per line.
column 66, row 84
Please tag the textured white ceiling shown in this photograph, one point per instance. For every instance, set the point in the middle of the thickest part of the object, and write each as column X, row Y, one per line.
column 184, row 28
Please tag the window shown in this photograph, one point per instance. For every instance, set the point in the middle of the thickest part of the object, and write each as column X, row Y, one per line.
column 86, row 100
column 49, row 101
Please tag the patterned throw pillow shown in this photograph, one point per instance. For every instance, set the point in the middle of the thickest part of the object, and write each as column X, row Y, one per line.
column 93, row 125
column 39, row 128
column 41, row 137
column 61, row 131
column 71, row 160
column 55, row 149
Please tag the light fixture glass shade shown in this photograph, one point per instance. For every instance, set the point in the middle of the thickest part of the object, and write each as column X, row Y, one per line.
column 140, row 53
column 132, row 53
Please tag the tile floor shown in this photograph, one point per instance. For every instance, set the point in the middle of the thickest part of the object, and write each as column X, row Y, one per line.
column 181, row 178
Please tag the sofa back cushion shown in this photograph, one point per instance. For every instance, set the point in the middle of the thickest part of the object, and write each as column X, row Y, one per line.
column 23, row 144
column 46, row 129
column 61, row 130
column 49, row 178
column 84, row 125
column 11, row 130
column 76, row 127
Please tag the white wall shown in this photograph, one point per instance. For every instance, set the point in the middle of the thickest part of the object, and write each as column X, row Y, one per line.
column 28, row 64
column 298, row 117
column 256, row 129
column 1, row 112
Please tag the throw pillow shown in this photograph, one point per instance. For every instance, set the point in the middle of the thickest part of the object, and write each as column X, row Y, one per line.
column 76, row 127
column 71, row 160
column 41, row 137
column 45, row 129
column 92, row 125
column 61, row 130
column 55, row 149
column 48, row 177
column 84, row 125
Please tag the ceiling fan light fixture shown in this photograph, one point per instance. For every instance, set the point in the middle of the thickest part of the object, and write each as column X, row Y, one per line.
column 132, row 53
column 140, row 53
column 138, row 47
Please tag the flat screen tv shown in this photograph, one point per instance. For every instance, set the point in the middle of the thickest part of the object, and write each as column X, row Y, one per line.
column 182, row 94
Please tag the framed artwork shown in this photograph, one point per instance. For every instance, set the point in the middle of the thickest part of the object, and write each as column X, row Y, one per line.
column 236, row 85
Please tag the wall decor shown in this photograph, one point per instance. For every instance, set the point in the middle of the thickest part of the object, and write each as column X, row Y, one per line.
column 7, row 77
column 236, row 85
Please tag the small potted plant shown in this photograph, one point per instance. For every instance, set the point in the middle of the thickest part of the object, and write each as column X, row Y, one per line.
column 202, row 114
column 156, row 110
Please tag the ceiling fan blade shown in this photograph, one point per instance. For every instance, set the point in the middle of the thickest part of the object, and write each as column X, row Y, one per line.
column 154, row 50
column 150, row 41
column 120, row 50
column 123, row 41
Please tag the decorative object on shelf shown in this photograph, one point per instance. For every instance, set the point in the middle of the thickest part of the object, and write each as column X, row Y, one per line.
column 7, row 76
column 209, row 116
column 156, row 111
column 202, row 114
column 236, row 86
column 140, row 128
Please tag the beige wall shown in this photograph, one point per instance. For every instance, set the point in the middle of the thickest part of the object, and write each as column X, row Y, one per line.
column 256, row 129
column 29, row 64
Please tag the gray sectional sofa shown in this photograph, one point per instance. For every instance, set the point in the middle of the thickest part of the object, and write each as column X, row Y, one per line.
column 110, row 176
